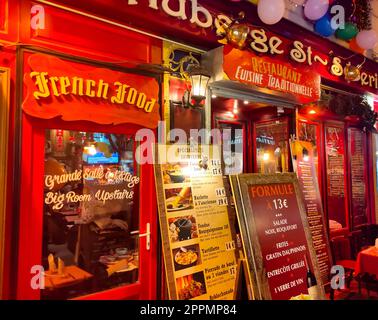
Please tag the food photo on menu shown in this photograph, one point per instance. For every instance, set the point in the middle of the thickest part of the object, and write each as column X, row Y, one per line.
column 175, row 173
column 179, row 199
column 186, row 257
column 182, row 228
column 191, row 286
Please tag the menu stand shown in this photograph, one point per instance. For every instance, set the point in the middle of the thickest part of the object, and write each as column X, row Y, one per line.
column 243, row 289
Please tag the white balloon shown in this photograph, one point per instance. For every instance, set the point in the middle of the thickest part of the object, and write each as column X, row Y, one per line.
column 271, row 11
column 367, row 39
column 315, row 9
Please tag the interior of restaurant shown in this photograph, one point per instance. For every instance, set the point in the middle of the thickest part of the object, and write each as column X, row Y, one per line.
column 90, row 237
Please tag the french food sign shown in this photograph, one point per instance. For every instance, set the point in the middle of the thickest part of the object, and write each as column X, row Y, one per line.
column 73, row 91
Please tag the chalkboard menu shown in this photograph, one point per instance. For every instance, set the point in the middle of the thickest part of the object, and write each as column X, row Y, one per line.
column 198, row 246
column 304, row 165
column 356, row 140
column 276, row 236
column 335, row 160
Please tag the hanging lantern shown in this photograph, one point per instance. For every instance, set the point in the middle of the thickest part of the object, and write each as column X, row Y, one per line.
column 199, row 78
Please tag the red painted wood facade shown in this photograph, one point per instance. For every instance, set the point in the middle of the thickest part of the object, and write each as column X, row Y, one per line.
column 87, row 40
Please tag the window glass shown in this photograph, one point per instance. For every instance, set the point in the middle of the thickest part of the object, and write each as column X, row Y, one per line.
column 309, row 132
column 272, row 140
column 233, row 147
column 356, row 141
column 91, row 216
column 335, row 177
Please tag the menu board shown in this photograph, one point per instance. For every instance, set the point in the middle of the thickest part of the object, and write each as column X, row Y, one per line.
column 356, row 140
column 304, row 165
column 335, row 177
column 276, row 237
column 198, row 246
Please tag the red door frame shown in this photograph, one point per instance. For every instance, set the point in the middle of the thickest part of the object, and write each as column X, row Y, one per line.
column 30, row 199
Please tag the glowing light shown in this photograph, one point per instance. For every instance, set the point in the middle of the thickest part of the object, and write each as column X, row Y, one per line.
column 214, row 96
column 91, row 150
column 187, row 171
column 266, row 156
column 312, row 111
column 235, row 111
column 246, row 101
column 306, row 158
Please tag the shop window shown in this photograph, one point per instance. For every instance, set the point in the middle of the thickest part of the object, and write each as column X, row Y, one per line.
column 91, row 215
column 233, row 146
column 272, row 141
column 335, row 159
column 357, row 142
column 310, row 132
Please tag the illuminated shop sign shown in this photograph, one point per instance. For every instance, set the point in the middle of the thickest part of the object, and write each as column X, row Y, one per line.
column 73, row 91
column 273, row 74
column 259, row 41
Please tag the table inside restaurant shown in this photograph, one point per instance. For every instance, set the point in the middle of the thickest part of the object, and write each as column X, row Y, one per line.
column 72, row 275
column 367, row 262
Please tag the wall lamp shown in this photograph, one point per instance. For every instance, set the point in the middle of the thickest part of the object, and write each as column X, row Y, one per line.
column 199, row 78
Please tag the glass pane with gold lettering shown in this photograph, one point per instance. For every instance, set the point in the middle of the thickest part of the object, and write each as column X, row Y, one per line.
column 272, row 143
column 91, row 213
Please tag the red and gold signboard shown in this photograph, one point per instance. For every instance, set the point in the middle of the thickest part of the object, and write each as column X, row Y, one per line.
column 272, row 73
column 74, row 91
column 276, row 237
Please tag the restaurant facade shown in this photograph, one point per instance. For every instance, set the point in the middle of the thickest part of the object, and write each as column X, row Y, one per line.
column 80, row 82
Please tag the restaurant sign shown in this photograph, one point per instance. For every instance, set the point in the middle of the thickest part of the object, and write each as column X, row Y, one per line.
column 276, row 235
column 274, row 74
column 74, row 91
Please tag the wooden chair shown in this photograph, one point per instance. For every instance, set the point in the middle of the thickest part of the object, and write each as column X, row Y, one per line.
column 368, row 235
column 356, row 244
column 342, row 256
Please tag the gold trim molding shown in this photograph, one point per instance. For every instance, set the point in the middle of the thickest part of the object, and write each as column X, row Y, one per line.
column 4, row 126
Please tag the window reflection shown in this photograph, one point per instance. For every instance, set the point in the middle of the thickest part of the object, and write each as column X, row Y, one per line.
column 272, row 146
column 90, row 213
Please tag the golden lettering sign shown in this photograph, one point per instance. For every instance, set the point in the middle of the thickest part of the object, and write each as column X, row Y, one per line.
column 76, row 86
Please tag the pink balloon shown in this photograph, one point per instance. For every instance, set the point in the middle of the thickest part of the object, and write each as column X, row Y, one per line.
column 367, row 39
column 298, row 2
column 315, row 9
column 271, row 11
